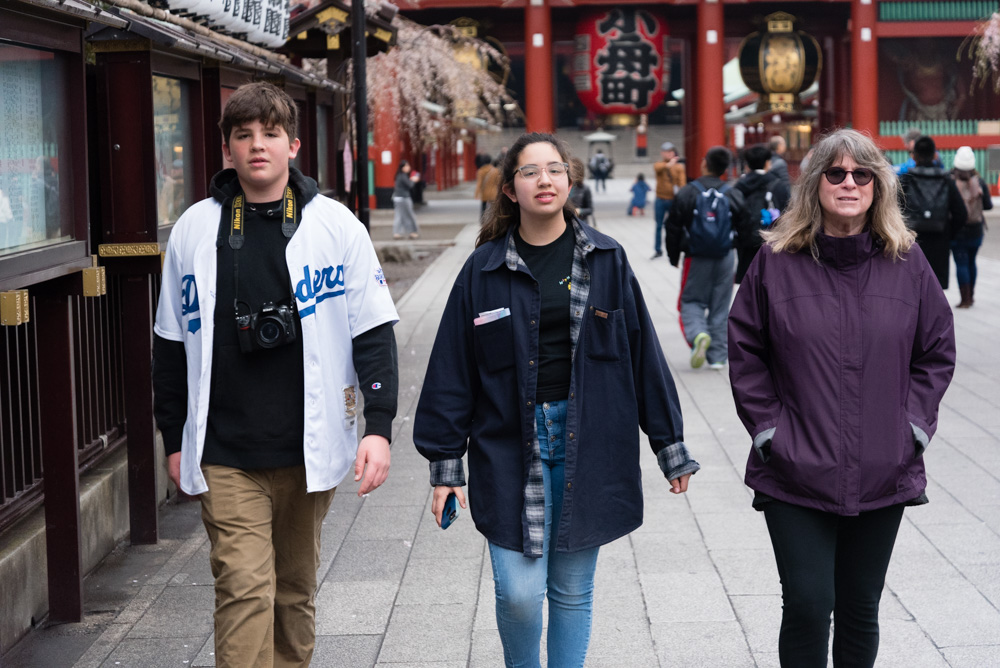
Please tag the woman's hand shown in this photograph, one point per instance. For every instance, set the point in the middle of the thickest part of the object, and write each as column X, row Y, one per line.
column 441, row 494
column 678, row 485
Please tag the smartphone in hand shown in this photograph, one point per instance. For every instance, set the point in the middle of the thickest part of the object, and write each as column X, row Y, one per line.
column 450, row 513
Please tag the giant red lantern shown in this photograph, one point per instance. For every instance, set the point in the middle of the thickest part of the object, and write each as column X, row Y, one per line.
column 621, row 64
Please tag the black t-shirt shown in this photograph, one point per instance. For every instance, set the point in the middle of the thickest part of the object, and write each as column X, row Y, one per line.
column 261, row 428
column 552, row 267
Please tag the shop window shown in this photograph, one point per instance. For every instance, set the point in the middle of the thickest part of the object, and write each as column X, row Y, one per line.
column 174, row 155
column 35, row 172
column 322, row 152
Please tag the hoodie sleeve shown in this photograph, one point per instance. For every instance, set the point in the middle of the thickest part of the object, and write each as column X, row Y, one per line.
column 754, row 391
column 932, row 361
column 956, row 205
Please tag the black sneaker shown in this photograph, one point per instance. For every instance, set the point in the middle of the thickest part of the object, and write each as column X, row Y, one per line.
column 656, row 255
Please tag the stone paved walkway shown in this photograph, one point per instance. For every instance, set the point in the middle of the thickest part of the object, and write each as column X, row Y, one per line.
column 695, row 586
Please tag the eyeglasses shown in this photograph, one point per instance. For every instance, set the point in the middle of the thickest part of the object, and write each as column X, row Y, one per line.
column 861, row 176
column 553, row 169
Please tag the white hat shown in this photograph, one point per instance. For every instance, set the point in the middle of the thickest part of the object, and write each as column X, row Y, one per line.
column 965, row 159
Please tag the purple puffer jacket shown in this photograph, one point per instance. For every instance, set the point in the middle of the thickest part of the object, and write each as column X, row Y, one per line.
column 837, row 369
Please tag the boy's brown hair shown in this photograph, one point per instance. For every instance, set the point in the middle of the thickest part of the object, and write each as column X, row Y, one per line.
column 260, row 101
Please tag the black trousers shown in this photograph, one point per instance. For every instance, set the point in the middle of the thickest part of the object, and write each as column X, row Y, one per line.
column 830, row 564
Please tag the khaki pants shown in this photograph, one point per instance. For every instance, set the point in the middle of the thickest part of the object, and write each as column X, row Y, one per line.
column 265, row 535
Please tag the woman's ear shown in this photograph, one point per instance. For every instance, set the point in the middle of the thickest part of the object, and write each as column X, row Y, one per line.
column 509, row 192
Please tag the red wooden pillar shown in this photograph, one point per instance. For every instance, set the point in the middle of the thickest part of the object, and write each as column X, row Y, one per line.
column 538, row 76
column 864, row 67
column 387, row 149
column 469, row 157
column 710, row 125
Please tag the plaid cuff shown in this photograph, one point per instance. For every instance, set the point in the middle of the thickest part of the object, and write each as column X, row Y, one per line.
column 675, row 461
column 447, row 472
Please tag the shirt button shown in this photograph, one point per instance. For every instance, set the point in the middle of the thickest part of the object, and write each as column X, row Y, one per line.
column 548, row 422
column 578, row 313
column 571, row 434
column 572, row 395
column 546, row 407
column 569, row 485
column 529, row 403
column 531, row 362
column 532, row 322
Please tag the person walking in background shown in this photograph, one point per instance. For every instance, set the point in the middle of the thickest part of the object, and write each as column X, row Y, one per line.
column 640, row 190
column 976, row 195
column 580, row 194
column 779, row 167
column 670, row 178
column 766, row 196
column 404, row 220
column 257, row 367
column 911, row 136
column 932, row 206
column 600, row 167
column 841, row 347
column 702, row 222
column 545, row 367
column 487, row 182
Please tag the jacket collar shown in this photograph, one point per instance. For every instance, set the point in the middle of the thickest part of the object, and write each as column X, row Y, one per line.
column 842, row 252
column 504, row 251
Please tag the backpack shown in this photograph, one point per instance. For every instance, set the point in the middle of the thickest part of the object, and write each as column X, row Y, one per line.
column 926, row 210
column 711, row 231
column 972, row 195
column 599, row 164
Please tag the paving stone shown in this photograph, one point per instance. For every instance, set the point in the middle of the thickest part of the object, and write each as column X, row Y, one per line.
column 440, row 581
column 354, row 608
column 145, row 652
column 666, row 602
column 178, row 612
column 959, row 615
column 760, row 619
column 702, row 644
column 356, row 651
column 369, row 560
column 428, row 633
column 973, row 656
column 742, row 530
column 903, row 644
column 386, row 523
column 747, row 571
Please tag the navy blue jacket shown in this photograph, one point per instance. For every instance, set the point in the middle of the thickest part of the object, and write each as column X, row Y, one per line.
column 478, row 395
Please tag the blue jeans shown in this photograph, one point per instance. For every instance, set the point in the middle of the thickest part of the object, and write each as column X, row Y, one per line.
column 567, row 577
column 661, row 209
column 965, row 251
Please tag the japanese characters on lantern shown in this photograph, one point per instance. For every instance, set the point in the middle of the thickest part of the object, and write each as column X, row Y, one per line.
column 620, row 66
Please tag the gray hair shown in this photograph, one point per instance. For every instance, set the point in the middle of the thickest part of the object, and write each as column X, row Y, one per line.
column 798, row 227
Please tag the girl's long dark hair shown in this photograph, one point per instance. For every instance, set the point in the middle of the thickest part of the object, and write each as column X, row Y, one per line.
column 503, row 214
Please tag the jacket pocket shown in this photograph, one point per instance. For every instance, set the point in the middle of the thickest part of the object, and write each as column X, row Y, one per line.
column 605, row 337
column 495, row 344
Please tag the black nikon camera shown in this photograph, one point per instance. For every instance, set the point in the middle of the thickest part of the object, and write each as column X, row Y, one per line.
column 270, row 327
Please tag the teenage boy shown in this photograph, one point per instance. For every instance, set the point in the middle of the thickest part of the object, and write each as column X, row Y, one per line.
column 273, row 313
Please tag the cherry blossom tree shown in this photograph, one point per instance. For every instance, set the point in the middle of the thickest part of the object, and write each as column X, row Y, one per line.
column 436, row 79
column 984, row 48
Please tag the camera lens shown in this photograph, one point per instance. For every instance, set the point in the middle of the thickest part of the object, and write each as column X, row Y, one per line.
column 269, row 332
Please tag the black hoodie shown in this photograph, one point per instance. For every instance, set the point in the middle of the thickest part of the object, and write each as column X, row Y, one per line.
column 256, row 412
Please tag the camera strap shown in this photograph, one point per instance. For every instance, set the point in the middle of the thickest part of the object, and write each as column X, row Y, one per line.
column 237, row 231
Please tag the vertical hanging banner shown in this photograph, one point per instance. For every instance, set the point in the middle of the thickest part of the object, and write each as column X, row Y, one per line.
column 621, row 63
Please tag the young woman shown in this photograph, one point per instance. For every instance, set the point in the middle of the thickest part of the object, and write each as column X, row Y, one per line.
column 841, row 346
column 964, row 246
column 545, row 366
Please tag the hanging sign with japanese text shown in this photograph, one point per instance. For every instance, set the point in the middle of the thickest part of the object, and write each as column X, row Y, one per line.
column 621, row 64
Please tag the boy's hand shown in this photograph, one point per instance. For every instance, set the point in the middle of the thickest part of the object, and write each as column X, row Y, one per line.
column 372, row 463
column 174, row 469
column 680, row 485
column 441, row 494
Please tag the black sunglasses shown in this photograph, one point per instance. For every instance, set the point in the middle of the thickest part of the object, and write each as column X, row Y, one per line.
column 862, row 176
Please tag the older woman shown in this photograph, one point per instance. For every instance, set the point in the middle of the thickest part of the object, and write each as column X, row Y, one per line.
column 841, row 346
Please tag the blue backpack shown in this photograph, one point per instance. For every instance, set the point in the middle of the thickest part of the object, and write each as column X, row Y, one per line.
column 711, row 232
